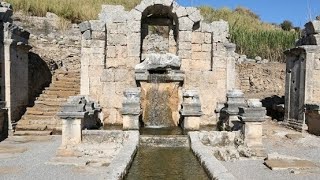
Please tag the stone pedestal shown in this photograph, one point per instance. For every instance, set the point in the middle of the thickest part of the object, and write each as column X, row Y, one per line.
column 191, row 110
column 253, row 134
column 131, row 109
column 235, row 99
column 252, row 117
column 313, row 118
column 191, row 123
column 71, row 131
column 77, row 110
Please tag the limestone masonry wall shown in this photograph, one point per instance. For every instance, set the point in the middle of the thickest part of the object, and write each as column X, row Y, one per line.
column 111, row 48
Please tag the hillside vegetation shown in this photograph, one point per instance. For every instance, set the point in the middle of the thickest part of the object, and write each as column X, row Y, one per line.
column 253, row 37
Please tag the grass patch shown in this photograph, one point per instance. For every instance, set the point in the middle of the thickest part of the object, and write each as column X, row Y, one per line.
column 253, row 37
column 73, row 10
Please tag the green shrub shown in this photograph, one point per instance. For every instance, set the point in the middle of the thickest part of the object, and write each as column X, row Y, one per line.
column 253, row 37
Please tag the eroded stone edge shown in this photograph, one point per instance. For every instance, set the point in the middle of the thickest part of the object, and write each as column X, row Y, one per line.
column 213, row 166
column 121, row 163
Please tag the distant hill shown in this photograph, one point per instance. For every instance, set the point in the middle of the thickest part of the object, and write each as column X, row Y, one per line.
column 252, row 36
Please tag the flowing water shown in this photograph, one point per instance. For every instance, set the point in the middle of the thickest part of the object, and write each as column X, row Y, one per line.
column 159, row 163
column 158, row 111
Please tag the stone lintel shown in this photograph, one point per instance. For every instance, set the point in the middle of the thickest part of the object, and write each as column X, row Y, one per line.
column 72, row 115
column 253, row 119
column 172, row 76
column 191, row 113
column 158, row 21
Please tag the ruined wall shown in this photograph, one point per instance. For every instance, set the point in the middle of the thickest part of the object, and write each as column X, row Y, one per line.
column 302, row 79
column 14, row 65
column 111, row 48
column 261, row 80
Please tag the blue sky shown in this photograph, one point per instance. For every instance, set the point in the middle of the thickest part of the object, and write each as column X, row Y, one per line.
column 274, row 11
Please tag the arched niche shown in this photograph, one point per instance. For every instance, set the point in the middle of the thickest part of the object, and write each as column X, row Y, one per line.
column 159, row 30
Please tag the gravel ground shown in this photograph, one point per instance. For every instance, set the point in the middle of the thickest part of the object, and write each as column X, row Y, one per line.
column 307, row 148
column 32, row 164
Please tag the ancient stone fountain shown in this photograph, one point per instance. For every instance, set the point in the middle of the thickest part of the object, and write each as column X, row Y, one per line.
column 163, row 50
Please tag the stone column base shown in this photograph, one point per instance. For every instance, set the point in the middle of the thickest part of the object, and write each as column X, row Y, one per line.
column 71, row 131
column 191, row 123
column 130, row 122
column 253, row 134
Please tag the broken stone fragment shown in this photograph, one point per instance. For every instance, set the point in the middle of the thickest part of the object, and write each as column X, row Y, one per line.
column 84, row 26
column 159, row 61
column 312, row 27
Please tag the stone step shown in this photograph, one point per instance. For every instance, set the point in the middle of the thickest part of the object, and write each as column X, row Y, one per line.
column 65, row 83
column 48, row 96
column 45, row 122
column 61, row 85
column 21, row 127
column 49, row 103
column 67, row 79
column 61, row 93
column 32, row 133
column 35, row 117
column 62, row 88
column 39, row 112
column 67, row 73
column 45, row 108
column 52, row 99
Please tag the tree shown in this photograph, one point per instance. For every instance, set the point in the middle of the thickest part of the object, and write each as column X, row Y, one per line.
column 286, row 25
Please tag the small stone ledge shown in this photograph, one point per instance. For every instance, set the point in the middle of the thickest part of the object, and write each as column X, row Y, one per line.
column 212, row 165
column 121, row 163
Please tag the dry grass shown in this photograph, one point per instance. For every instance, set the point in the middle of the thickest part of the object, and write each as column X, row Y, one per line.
column 74, row 10
column 253, row 37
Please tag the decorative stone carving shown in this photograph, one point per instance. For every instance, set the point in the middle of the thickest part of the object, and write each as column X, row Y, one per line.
column 131, row 109
column 159, row 61
column 191, row 110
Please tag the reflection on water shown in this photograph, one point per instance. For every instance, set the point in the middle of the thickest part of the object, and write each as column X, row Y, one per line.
column 166, row 164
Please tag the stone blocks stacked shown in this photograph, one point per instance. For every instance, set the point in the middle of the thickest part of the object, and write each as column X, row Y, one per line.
column 253, row 115
column 131, row 109
column 14, row 60
column 235, row 100
column 76, row 115
column 112, row 47
column 191, row 110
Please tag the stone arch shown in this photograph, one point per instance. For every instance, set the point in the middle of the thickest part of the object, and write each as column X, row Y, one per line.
column 164, row 22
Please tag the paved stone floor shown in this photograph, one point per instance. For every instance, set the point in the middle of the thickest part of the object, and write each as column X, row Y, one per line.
column 276, row 141
column 28, row 158
column 31, row 158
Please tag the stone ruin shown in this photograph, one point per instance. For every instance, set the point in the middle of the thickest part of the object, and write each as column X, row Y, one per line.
column 162, row 46
column 14, row 50
column 302, row 81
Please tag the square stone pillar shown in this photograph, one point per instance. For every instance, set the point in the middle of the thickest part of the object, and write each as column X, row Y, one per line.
column 71, row 131
column 131, row 109
column 191, row 110
column 253, row 116
column 235, row 99
column 73, row 114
